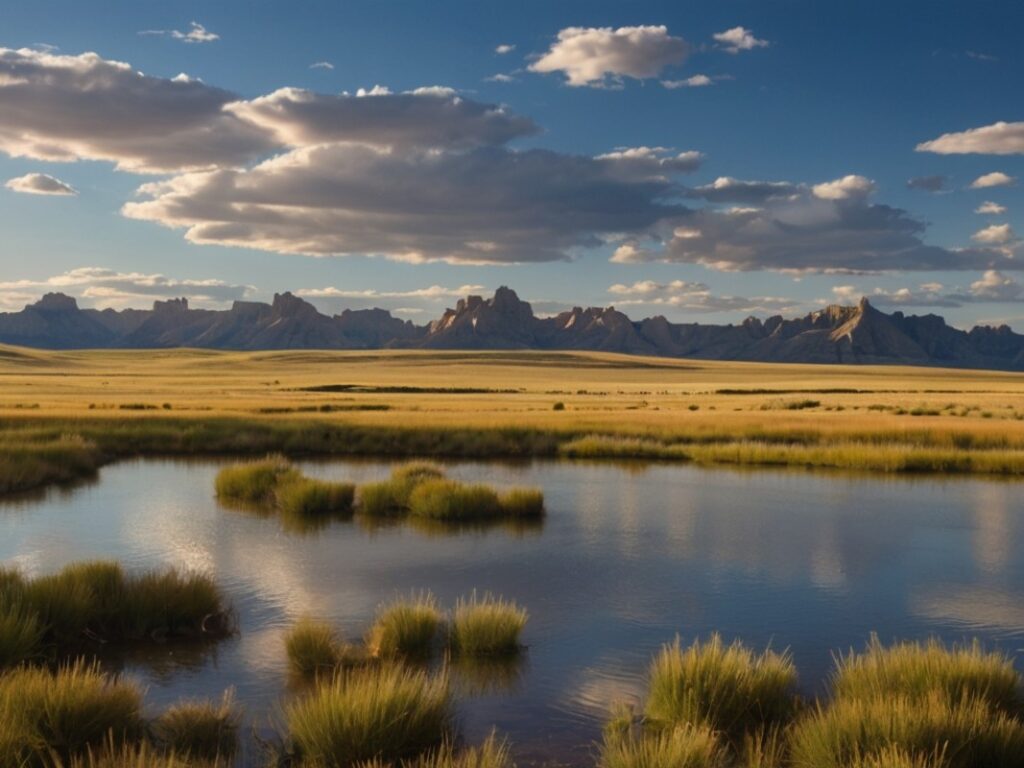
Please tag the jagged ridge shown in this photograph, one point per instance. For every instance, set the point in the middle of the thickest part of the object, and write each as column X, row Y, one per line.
column 835, row 334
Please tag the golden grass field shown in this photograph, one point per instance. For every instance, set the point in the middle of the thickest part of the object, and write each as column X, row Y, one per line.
column 866, row 417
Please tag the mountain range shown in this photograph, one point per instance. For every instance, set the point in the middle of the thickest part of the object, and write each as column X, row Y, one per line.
column 835, row 334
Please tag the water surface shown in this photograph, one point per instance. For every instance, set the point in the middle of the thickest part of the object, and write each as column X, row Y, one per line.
column 628, row 557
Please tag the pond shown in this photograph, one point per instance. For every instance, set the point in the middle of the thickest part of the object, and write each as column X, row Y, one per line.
column 628, row 557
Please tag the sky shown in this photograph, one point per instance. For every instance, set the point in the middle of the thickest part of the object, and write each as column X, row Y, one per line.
column 701, row 160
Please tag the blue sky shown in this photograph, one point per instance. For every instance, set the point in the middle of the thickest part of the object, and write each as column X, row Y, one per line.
column 831, row 102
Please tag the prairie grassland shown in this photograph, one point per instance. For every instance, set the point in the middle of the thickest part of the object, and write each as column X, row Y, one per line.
column 95, row 406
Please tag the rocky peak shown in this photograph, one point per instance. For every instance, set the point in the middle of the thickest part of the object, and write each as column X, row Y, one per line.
column 288, row 304
column 171, row 306
column 56, row 302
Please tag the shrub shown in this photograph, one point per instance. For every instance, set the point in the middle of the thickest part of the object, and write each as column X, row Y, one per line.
column 729, row 688
column 204, row 730
column 406, row 627
column 682, row 746
column 313, row 648
column 917, row 669
column 852, row 729
column 383, row 714
column 486, row 626
column 253, row 482
column 67, row 712
column 559, row 406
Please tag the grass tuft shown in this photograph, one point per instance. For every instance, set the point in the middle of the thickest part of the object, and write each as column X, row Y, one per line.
column 202, row 730
column 406, row 627
column 306, row 497
column 486, row 626
column 253, row 482
column 682, row 746
column 314, row 648
column 491, row 754
column 727, row 687
column 385, row 714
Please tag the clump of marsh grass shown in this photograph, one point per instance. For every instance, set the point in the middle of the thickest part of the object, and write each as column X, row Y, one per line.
column 253, row 482
column 493, row 753
column 314, row 648
column 99, row 602
column 727, row 687
column 852, row 729
column 450, row 500
column 390, row 497
column 917, row 669
column 387, row 714
column 201, row 730
column 895, row 757
column 681, row 746
column 65, row 713
column 406, row 627
column 304, row 497
column 522, row 503
column 141, row 755
column 487, row 625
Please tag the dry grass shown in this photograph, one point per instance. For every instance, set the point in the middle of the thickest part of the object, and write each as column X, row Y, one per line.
column 486, row 626
column 407, row 627
column 870, row 417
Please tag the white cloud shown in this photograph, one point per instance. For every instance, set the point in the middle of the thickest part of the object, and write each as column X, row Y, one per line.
column 321, row 65
column 102, row 288
column 40, row 184
column 697, row 81
column 847, row 187
column 196, row 33
column 995, row 286
column 738, row 39
column 433, row 292
column 602, row 56
column 656, row 161
column 500, row 78
column 994, row 179
column 991, row 208
column 995, row 234
column 504, row 48
column 486, row 205
column 434, row 116
column 1000, row 138
column 992, row 287
column 693, row 297
column 84, row 107
column 726, row 189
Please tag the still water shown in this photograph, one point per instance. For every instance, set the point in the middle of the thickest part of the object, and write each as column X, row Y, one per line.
column 628, row 557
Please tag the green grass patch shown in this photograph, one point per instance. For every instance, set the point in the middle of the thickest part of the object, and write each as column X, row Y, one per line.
column 727, row 687
column 681, row 746
column 388, row 714
column 199, row 730
column 315, row 648
column 253, row 482
column 486, row 626
column 407, row 627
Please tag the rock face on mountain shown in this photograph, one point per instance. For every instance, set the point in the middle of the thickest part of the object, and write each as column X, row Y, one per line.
column 835, row 334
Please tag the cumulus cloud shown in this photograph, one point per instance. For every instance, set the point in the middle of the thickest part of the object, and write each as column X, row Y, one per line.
column 504, row 48
column 693, row 297
column 991, row 208
column 994, row 179
column 1000, row 138
column 196, row 33
column 804, row 232
column 102, row 287
column 40, row 184
column 738, row 39
column 84, row 107
column 652, row 161
column 486, row 205
column 993, row 287
column 726, row 189
column 602, row 56
column 321, row 65
column 433, row 116
column 928, row 183
column 848, row 187
column 995, row 234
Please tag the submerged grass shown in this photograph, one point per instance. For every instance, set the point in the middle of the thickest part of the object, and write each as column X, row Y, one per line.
column 98, row 602
column 727, row 687
column 407, row 627
column 485, row 626
column 388, row 714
